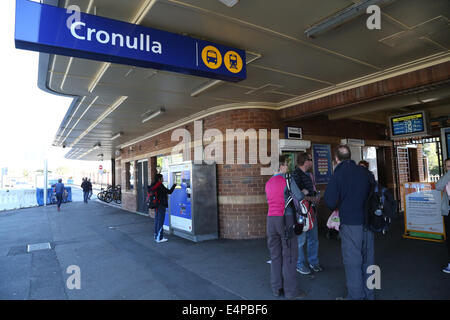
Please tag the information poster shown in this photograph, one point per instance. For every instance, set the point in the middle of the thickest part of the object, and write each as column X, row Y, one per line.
column 323, row 168
column 423, row 219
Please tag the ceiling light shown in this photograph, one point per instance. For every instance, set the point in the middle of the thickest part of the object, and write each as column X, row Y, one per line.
column 111, row 109
column 153, row 115
column 100, row 155
column 207, row 86
column 96, row 146
column 99, row 75
column 229, row 3
column 117, row 136
column 342, row 17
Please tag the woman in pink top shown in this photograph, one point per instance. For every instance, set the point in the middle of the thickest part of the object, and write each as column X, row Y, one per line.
column 283, row 250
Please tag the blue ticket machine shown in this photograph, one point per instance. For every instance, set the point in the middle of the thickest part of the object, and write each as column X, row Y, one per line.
column 193, row 203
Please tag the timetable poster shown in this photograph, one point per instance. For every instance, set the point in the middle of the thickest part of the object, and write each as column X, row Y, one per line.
column 323, row 168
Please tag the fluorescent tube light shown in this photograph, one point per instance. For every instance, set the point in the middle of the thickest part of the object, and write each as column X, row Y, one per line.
column 342, row 17
column 153, row 115
column 117, row 136
column 99, row 75
column 206, row 87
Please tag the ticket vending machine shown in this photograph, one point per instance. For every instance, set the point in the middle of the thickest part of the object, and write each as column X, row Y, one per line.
column 193, row 212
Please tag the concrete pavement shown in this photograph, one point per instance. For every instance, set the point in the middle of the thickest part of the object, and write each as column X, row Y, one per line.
column 119, row 259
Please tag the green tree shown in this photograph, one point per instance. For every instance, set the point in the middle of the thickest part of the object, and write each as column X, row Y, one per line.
column 433, row 163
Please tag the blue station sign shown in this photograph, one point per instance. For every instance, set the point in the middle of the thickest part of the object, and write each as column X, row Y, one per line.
column 50, row 29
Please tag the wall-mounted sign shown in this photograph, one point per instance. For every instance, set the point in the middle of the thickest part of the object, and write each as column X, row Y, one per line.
column 353, row 142
column 50, row 29
column 293, row 133
column 423, row 219
column 408, row 125
column 323, row 168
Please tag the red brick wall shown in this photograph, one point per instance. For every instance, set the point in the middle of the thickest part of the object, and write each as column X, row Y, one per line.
column 238, row 184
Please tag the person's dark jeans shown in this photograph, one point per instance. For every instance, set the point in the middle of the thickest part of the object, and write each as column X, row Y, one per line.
column 86, row 196
column 358, row 254
column 59, row 198
column 160, row 214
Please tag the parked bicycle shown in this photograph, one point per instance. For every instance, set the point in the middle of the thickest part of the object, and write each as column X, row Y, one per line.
column 110, row 194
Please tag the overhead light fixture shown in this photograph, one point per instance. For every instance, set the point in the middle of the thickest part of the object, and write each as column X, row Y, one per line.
column 97, row 146
column 343, row 16
column 116, row 135
column 207, row 86
column 111, row 109
column 68, row 122
column 153, row 115
column 69, row 64
column 229, row 3
column 100, row 155
column 99, row 75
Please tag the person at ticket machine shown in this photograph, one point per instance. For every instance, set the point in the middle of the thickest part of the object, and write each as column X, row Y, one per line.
column 444, row 185
column 161, row 194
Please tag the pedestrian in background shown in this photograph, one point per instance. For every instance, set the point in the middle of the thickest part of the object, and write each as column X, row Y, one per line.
column 283, row 250
column 304, row 180
column 444, row 185
column 347, row 192
column 365, row 164
column 85, row 187
column 59, row 190
column 90, row 189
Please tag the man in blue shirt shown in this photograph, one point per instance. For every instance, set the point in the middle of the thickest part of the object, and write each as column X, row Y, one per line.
column 348, row 191
column 59, row 190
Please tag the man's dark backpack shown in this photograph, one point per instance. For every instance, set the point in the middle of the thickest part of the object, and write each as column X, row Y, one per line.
column 152, row 197
column 381, row 208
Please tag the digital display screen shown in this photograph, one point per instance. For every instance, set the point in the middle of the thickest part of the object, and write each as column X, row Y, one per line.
column 408, row 124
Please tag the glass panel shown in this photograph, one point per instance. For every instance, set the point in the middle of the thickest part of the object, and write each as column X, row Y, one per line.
column 131, row 175
column 370, row 155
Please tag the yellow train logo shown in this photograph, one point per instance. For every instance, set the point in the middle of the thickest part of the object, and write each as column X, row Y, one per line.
column 233, row 62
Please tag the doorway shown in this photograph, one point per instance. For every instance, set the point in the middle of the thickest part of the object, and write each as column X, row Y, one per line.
column 141, row 185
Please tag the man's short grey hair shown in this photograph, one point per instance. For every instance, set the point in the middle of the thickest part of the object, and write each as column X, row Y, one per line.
column 343, row 153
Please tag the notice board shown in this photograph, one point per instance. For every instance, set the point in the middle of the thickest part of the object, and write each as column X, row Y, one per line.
column 423, row 219
column 323, row 168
